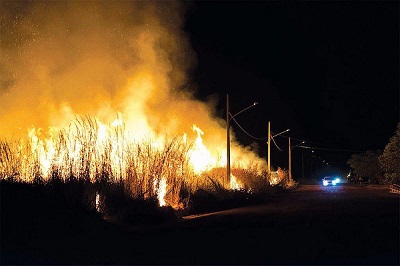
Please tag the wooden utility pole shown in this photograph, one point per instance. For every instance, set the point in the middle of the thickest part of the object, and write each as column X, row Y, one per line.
column 228, row 143
column 290, row 162
column 269, row 147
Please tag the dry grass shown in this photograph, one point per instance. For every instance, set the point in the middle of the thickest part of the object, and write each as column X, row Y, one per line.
column 89, row 154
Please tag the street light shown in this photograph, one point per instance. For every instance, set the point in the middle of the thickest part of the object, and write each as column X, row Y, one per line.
column 290, row 158
column 269, row 143
column 228, row 141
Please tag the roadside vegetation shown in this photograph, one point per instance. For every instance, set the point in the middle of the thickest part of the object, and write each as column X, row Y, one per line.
column 380, row 166
column 127, row 182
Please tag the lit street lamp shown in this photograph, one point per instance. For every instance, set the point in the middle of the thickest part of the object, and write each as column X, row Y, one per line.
column 228, row 141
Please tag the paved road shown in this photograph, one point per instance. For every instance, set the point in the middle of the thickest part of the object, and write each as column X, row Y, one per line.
column 313, row 225
column 342, row 225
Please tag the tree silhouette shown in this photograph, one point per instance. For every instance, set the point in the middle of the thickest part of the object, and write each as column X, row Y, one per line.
column 366, row 165
column 390, row 159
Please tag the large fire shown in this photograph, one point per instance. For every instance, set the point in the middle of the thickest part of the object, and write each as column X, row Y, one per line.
column 200, row 156
column 64, row 60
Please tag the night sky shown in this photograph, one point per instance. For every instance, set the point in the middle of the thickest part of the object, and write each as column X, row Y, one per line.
column 328, row 70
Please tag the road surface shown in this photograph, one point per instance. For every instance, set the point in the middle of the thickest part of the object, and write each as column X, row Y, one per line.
column 313, row 225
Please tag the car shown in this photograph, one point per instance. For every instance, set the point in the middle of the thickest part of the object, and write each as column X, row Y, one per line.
column 330, row 181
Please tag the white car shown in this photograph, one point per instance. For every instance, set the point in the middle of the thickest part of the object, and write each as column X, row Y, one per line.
column 330, row 181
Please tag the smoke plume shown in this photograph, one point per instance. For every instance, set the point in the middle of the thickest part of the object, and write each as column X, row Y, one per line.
column 62, row 59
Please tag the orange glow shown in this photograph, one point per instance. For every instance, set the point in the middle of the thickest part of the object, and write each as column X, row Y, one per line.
column 234, row 185
column 162, row 191
column 61, row 64
column 200, row 156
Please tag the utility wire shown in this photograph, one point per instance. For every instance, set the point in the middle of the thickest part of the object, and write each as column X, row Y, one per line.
column 302, row 146
column 264, row 138
column 318, row 148
column 276, row 144
column 307, row 141
column 326, row 149
column 251, row 136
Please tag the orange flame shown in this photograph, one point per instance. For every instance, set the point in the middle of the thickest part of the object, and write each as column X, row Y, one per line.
column 69, row 65
column 200, row 156
column 234, row 184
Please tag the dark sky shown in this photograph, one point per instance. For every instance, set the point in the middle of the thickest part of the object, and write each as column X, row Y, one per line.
column 328, row 70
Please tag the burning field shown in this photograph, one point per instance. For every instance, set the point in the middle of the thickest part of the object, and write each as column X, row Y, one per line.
column 98, row 91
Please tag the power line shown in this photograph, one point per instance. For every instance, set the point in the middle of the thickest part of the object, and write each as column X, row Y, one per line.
column 307, row 141
column 256, row 138
column 301, row 140
column 326, row 149
column 248, row 134
column 320, row 148
column 276, row 144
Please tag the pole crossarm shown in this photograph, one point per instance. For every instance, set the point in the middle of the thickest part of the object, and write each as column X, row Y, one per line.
column 299, row 145
column 273, row 136
column 232, row 116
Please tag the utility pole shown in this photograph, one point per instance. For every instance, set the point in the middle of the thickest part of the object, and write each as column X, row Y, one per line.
column 290, row 158
column 269, row 147
column 290, row 162
column 302, row 164
column 228, row 143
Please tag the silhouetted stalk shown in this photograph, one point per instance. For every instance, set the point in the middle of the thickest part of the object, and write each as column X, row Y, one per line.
column 90, row 152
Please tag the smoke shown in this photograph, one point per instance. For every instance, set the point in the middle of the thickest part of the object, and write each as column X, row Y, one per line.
column 60, row 59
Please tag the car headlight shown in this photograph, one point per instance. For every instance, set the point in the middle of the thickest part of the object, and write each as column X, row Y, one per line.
column 325, row 183
column 337, row 180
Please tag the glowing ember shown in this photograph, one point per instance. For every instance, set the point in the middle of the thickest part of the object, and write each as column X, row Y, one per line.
column 162, row 191
column 278, row 176
column 97, row 202
column 234, row 183
column 274, row 178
